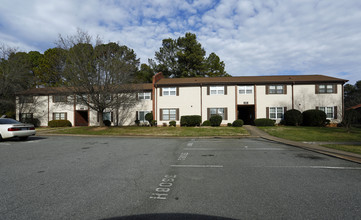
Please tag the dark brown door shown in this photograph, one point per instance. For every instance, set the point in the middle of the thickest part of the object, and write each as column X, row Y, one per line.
column 81, row 118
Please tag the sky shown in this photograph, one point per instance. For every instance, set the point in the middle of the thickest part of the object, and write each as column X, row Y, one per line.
column 252, row 37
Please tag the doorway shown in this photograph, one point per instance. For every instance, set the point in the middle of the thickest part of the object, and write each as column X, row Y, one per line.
column 81, row 118
column 246, row 113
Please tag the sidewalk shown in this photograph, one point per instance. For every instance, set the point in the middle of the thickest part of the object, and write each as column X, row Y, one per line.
column 312, row 146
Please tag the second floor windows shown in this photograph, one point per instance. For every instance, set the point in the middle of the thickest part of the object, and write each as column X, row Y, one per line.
column 245, row 90
column 144, row 95
column 216, row 90
column 326, row 88
column 276, row 89
column 169, row 91
column 59, row 98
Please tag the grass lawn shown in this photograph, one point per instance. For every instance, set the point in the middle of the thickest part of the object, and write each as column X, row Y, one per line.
column 150, row 131
column 350, row 148
column 314, row 133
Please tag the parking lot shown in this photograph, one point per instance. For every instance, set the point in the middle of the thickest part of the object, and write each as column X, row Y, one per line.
column 138, row 178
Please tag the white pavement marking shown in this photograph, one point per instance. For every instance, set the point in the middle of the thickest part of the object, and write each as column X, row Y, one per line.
column 7, row 144
column 183, row 156
column 198, row 166
column 234, row 149
column 190, row 144
column 313, row 167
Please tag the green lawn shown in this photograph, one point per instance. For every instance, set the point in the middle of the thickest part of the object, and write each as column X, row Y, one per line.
column 349, row 148
column 314, row 133
column 150, row 131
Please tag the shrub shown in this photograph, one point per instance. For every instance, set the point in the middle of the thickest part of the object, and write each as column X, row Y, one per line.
column 216, row 120
column 107, row 123
column 59, row 123
column 137, row 122
column 314, row 117
column 206, row 123
column 229, row 124
column 238, row 123
column 153, row 123
column 33, row 121
column 191, row 120
column 149, row 118
column 172, row 123
column 264, row 122
column 293, row 117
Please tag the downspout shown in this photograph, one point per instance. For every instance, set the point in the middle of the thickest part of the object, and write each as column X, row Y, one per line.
column 293, row 99
column 48, row 109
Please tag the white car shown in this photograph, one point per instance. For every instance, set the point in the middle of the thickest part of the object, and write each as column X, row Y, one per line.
column 10, row 128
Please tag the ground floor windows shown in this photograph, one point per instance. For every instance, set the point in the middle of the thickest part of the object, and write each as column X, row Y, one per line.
column 217, row 111
column 141, row 115
column 107, row 116
column 171, row 114
column 330, row 112
column 25, row 117
column 59, row 116
column 275, row 113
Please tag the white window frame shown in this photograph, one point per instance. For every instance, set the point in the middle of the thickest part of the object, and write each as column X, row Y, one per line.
column 59, row 116
column 276, row 113
column 245, row 90
column 169, row 91
column 329, row 110
column 144, row 113
column 216, row 111
column 216, row 90
column 144, row 95
column 275, row 89
column 106, row 117
column 169, row 114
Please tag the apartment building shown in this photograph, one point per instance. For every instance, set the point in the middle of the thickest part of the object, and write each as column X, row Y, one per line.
column 244, row 97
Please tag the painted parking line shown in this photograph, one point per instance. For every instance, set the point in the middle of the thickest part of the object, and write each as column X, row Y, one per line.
column 190, row 144
column 183, row 156
column 197, row 166
column 236, row 149
column 310, row 167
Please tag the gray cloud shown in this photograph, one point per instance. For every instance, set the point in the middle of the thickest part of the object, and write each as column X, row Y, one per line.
column 253, row 37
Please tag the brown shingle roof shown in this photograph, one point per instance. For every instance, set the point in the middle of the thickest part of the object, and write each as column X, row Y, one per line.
column 69, row 90
column 297, row 79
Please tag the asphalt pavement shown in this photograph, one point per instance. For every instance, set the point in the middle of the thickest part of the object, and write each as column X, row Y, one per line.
column 141, row 178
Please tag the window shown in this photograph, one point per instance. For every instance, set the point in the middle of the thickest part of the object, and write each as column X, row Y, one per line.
column 81, row 99
column 217, row 111
column 59, row 116
column 144, row 95
column 169, row 91
column 25, row 117
column 276, row 89
column 59, row 98
column 326, row 88
column 245, row 89
column 329, row 111
column 216, row 90
column 276, row 112
column 107, row 116
column 26, row 99
column 169, row 114
column 141, row 115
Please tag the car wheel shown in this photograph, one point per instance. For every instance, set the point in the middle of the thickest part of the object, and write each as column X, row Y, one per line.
column 23, row 138
column 1, row 138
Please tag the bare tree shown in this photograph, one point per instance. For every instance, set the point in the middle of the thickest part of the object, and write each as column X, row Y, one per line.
column 100, row 74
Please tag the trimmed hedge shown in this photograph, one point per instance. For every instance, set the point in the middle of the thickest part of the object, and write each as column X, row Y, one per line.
column 206, row 123
column 264, row 122
column 314, row 117
column 238, row 123
column 293, row 117
column 191, row 120
column 216, row 120
column 59, row 123
column 172, row 123
column 107, row 123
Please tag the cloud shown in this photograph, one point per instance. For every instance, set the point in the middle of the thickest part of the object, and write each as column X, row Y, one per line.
column 253, row 37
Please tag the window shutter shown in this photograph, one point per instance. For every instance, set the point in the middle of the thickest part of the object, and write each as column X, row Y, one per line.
column 66, row 116
column 317, row 89
column 160, row 92
column 208, row 90
column 335, row 112
column 284, row 89
column 111, row 116
column 161, row 114
column 97, row 116
column 177, row 114
column 317, row 108
column 177, row 89
column 53, row 99
column 136, row 115
column 151, row 95
column 137, row 96
column 53, row 116
column 267, row 112
column 225, row 90
column 208, row 113
column 334, row 88
column 267, row 89
column 284, row 110
column 225, row 114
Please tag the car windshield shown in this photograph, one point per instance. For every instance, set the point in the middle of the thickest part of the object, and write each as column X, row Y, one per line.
column 8, row 121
